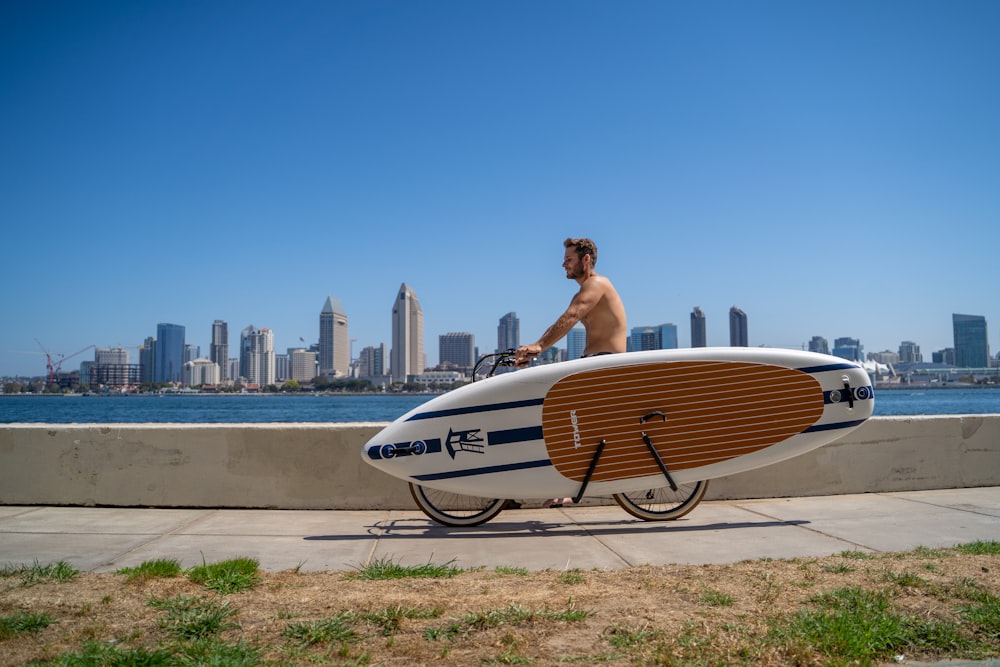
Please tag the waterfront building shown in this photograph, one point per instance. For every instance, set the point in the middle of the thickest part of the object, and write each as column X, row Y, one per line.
column 218, row 350
column 233, row 369
column 699, row 337
column 909, row 353
column 111, row 368
column 819, row 344
column 457, row 349
column 508, row 332
column 301, row 365
column 281, row 368
column 407, row 354
column 147, row 361
column 440, row 377
column 848, row 348
column 972, row 347
column 884, row 357
column 552, row 355
column 199, row 372
column 169, row 352
column 659, row 337
column 738, row 336
column 191, row 352
column 576, row 342
column 257, row 356
column 372, row 362
column 334, row 340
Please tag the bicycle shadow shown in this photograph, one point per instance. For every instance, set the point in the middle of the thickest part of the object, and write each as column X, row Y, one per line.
column 413, row 528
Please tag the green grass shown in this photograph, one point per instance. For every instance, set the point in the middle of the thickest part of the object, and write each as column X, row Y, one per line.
column 512, row 614
column 386, row 568
column 36, row 573
column 191, row 618
column 856, row 624
column 506, row 569
column 391, row 618
column 23, row 623
column 623, row 637
column 162, row 568
column 228, row 576
column 103, row 654
column 717, row 599
column 980, row 548
column 570, row 577
column 337, row 628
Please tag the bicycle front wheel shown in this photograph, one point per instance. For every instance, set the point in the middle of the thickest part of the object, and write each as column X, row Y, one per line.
column 454, row 509
column 662, row 504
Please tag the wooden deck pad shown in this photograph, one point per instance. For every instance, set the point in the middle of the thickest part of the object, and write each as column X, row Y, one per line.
column 715, row 411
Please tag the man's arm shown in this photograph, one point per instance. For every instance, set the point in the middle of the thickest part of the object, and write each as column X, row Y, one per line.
column 583, row 302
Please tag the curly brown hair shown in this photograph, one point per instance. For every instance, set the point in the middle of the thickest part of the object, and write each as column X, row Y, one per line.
column 583, row 247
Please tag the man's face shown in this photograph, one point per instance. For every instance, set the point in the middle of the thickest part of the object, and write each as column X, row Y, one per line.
column 572, row 264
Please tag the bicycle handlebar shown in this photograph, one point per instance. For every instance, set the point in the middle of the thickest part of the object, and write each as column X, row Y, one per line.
column 505, row 358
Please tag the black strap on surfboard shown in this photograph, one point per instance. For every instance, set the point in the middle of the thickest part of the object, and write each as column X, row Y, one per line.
column 652, row 450
column 590, row 471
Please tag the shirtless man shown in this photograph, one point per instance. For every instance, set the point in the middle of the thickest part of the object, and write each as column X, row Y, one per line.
column 597, row 305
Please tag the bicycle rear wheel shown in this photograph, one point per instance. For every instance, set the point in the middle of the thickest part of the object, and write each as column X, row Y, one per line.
column 662, row 504
column 454, row 509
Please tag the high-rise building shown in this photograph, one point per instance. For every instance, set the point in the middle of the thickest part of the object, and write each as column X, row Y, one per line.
column 698, row 334
column 407, row 355
column 848, row 348
column 218, row 350
column 111, row 368
column 738, row 336
column 457, row 349
column 509, row 332
column 819, row 344
column 972, row 347
column 945, row 356
column 659, row 337
column 302, row 365
column 191, row 352
column 909, row 352
column 576, row 342
column 169, row 353
column 334, row 340
column 147, row 360
column 257, row 356
column 372, row 362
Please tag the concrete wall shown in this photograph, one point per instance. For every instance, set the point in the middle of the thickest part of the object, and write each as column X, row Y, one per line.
column 318, row 466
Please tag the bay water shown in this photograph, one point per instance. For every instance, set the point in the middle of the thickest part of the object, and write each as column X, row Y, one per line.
column 346, row 408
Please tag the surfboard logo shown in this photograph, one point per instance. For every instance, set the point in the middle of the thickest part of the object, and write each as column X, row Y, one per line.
column 464, row 441
column 576, row 429
column 413, row 448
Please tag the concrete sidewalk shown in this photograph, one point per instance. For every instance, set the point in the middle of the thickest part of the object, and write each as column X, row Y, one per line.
column 106, row 539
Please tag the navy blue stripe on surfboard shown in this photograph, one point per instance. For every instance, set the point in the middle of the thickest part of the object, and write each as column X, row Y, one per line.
column 832, row 427
column 513, row 435
column 488, row 470
column 827, row 367
column 472, row 409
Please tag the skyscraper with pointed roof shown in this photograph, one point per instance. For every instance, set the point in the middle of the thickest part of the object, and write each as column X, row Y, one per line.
column 407, row 354
column 334, row 340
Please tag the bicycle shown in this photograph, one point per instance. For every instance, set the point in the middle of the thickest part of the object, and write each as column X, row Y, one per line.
column 666, row 503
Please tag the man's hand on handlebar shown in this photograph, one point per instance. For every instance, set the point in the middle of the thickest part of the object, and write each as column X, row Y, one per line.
column 526, row 353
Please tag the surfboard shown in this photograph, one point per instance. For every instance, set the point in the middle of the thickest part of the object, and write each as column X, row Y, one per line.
column 625, row 422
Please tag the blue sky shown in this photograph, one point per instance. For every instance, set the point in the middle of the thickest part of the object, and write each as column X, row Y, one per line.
column 832, row 168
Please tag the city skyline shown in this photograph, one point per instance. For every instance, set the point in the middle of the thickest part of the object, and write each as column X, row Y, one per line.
column 815, row 164
column 410, row 317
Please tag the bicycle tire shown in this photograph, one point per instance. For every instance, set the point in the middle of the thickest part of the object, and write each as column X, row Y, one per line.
column 662, row 504
column 455, row 509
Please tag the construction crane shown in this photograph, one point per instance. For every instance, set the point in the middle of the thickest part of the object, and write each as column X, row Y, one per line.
column 53, row 366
